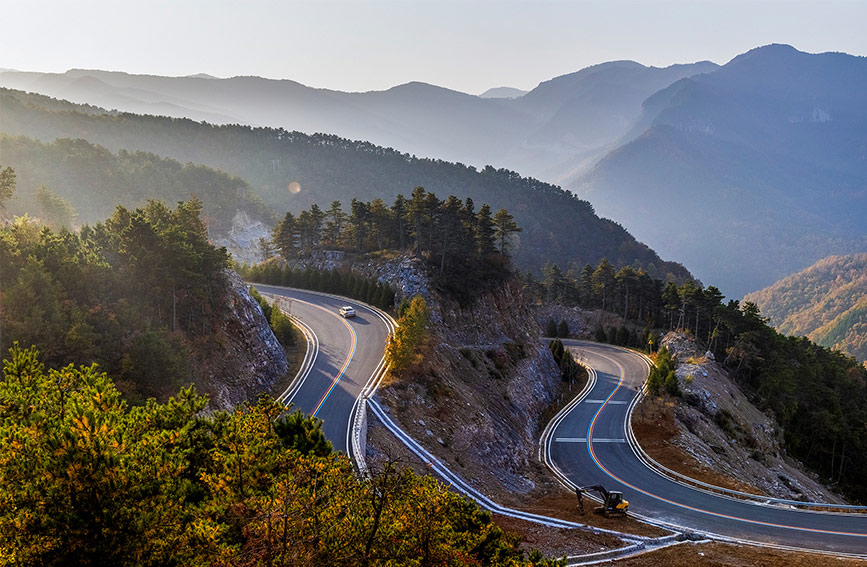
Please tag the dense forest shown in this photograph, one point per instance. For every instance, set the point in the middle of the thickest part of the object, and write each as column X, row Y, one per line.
column 293, row 171
column 139, row 294
column 826, row 302
column 467, row 252
column 817, row 395
column 71, row 181
column 90, row 481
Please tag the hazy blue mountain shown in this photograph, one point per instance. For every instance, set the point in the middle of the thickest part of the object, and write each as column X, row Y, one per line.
column 557, row 226
column 749, row 173
column 503, row 92
column 579, row 116
column 561, row 123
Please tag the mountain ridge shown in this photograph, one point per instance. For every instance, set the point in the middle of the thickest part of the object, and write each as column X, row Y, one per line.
column 770, row 159
column 826, row 302
column 459, row 127
column 557, row 226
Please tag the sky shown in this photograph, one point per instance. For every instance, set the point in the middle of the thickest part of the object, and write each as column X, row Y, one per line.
column 362, row 45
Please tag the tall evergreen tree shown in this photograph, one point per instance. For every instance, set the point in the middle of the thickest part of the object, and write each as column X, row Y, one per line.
column 504, row 228
column 485, row 231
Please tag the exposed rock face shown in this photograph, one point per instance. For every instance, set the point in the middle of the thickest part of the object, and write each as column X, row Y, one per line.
column 477, row 397
column 244, row 359
column 720, row 428
column 242, row 240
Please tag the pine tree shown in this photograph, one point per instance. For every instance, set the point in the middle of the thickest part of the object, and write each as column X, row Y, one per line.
column 550, row 328
column 504, row 227
column 485, row 232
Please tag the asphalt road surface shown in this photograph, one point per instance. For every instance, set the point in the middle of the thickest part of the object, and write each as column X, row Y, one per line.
column 349, row 353
column 589, row 446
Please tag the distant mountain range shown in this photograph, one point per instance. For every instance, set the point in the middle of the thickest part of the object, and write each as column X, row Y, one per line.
column 746, row 172
column 564, row 121
column 503, row 92
column 749, row 173
column 827, row 302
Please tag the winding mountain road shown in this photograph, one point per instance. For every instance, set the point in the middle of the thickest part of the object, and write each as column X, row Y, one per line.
column 347, row 356
column 584, row 445
column 589, row 445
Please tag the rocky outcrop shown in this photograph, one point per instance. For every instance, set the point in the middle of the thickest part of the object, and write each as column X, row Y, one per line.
column 722, row 430
column 242, row 240
column 242, row 359
column 477, row 397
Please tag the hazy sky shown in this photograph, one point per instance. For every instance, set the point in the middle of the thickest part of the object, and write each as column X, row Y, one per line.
column 360, row 45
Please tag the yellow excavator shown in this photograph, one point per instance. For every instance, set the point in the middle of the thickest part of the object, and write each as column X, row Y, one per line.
column 613, row 503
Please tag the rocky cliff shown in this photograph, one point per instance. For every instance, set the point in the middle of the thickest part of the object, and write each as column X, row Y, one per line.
column 242, row 359
column 477, row 397
column 722, row 430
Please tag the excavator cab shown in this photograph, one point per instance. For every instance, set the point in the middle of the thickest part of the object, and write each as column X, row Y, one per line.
column 614, row 504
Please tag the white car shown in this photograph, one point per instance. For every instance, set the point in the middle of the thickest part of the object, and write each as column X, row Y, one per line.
column 347, row 311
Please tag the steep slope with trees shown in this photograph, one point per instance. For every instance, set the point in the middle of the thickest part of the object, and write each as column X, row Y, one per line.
column 89, row 480
column 292, row 171
column 827, row 302
column 146, row 296
column 93, row 181
column 816, row 395
column 749, row 173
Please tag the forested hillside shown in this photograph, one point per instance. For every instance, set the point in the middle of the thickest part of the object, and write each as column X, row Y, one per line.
column 467, row 253
column 143, row 294
column 566, row 119
column 826, row 302
column 88, row 480
column 292, row 171
column 92, row 181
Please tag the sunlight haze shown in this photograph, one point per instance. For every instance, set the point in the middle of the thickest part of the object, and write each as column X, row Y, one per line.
column 360, row 46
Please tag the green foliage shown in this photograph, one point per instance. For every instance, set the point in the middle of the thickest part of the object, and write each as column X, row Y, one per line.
column 7, row 187
column 550, row 328
column 263, row 303
column 280, row 324
column 301, row 433
column 563, row 329
column 282, row 327
column 90, row 481
column 89, row 180
column 599, row 334
column 132, row 294
column 457, row 244
column 402, row 348
column 57, row 211
column 570, row 371
column 662, row 376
